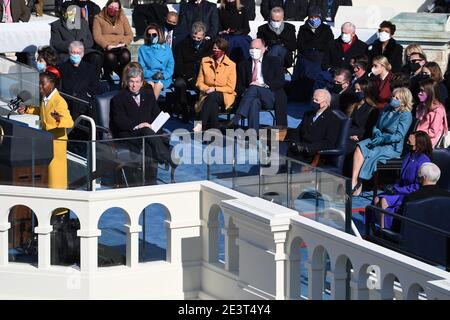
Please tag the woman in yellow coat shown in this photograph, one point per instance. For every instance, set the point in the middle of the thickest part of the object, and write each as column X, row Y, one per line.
column 216, row 82
column 55, row 118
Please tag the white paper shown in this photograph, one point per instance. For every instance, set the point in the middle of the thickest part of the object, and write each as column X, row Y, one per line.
column 159, row 121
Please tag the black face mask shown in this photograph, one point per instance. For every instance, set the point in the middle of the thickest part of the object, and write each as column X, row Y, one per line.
column 197, row 43
column 169, row 26
column 337, row 88
column 315, row 105
column 414, row 66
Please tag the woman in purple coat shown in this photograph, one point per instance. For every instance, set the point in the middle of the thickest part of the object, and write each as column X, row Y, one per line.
column 392, row 199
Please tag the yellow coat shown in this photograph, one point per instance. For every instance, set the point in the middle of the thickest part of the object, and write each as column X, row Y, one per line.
column 223, row 79
column 57, row 170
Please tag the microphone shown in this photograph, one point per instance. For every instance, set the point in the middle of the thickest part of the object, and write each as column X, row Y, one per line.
column 22, row 96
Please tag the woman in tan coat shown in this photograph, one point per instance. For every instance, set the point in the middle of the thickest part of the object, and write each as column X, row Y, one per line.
column 112, row 32
column 217, row 82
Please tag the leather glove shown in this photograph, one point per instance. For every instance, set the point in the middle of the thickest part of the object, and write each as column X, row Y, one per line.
column 377, row 141
column 389, row 189
column 158, row 76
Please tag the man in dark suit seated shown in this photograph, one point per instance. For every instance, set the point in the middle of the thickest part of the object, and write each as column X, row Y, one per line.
column 279, row 37
column 318, row 130
column 200, row 10
column 132, row 112
column 78, row 79
column 347, row 46
column 188, row 54
column 64, row 31
column 429, row 175
column 342, row 94
column 260, row 84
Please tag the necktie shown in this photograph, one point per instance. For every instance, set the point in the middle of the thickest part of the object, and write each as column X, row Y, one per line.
column 137, row 98
column 169, row 39
column 83, row 13
column 255, row 70
column 8, row 18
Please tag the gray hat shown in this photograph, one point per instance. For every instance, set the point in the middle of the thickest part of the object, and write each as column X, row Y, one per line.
column 314, row 11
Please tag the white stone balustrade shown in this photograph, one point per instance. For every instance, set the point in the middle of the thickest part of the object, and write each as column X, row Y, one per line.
column 262, row 251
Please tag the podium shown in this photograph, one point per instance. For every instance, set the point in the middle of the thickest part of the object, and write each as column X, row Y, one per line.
column 25, row 154
column 22, row 151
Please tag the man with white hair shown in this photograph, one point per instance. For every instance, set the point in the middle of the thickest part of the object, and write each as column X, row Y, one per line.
column 78, row 79
column 344, row 48
column 260, row 82
column 318, row 130
column 279, row 37
column 429, row 175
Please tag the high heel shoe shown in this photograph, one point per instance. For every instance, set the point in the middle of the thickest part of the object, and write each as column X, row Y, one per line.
column 356, row 188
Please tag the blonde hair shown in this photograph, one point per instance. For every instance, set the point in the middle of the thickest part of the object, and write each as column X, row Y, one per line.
column 405, row 97
column 412, row 48
column 382, row 60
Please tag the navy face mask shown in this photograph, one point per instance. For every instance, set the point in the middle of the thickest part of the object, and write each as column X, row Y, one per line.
column 359, row 95
column 315, row 105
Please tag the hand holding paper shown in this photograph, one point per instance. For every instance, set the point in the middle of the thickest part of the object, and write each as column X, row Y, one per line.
column 160, row 120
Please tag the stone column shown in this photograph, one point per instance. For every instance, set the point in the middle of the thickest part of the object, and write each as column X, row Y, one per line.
column 315, row 282
column 213, row 241
column 44, row 247
column 174, row 238
column 359, row 290
column 294, row 277
column 338, row 285
column 89, row 249
column 280, row 262
column 231, row 250
column 4, row 244
column 133, row 245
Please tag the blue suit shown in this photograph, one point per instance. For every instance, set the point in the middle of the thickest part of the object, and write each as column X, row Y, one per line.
column 388, row 137
column 157, row 58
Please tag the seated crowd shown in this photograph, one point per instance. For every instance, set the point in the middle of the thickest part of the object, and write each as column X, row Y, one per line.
column 396, row 100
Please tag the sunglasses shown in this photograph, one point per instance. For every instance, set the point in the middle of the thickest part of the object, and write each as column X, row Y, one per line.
column 416, row 60
column 152, row 35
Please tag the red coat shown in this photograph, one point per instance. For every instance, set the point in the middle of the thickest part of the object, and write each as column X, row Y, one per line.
column 384, row 88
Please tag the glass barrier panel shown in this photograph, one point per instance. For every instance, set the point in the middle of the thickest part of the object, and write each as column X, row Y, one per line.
column 302, row 186
column 79, row 163
column 18, row 78
column 190, row 154
column 119, row 163
column 332, row 200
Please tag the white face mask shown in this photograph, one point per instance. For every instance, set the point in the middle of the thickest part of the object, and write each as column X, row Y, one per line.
column 275, row 24
column 383, row 36
column 346, row 37
column 255, row 54
column 376, row 71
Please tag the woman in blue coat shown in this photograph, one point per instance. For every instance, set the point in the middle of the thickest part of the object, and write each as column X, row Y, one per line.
column 392, row 199
column 156, row 59
column 387, row 138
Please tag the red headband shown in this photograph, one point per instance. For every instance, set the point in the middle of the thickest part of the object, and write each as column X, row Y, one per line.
column 53, row 70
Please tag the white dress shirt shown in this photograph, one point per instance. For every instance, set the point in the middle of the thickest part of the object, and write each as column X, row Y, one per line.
column 46, row 99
